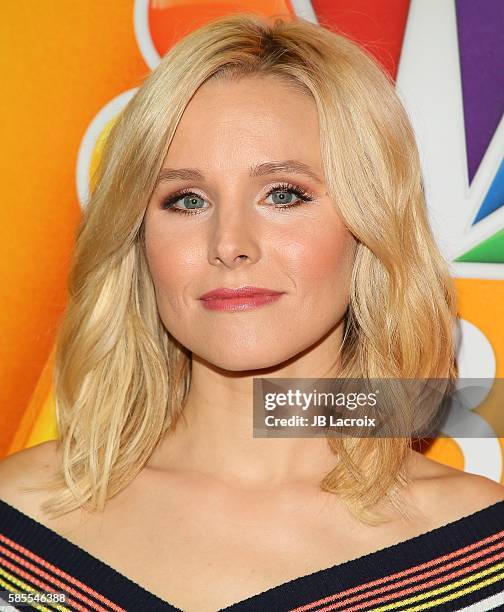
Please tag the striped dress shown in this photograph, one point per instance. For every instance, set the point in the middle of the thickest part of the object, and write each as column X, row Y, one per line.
column 459, row 566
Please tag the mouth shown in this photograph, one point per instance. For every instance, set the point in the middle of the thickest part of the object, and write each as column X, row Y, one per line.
column 241, row 298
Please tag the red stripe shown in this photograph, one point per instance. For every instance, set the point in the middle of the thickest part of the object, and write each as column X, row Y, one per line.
column 44, row 586
column 56, row 571
column 418, row 587
column 408, row 571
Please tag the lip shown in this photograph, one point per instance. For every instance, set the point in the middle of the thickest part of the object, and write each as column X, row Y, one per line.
column 241, row 298
column 223, row 293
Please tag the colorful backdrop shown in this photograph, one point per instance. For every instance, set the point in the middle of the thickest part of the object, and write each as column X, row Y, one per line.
column 68, row 68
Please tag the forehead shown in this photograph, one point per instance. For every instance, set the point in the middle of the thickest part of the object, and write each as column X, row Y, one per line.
column 255, row 116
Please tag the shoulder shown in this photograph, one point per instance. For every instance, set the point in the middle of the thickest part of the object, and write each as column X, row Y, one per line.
column 449, row 493
column 25, row 468
column 473, row 492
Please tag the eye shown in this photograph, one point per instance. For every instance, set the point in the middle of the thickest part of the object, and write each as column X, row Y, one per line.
column 283, row 199
column 191, row 200
column 283, row 194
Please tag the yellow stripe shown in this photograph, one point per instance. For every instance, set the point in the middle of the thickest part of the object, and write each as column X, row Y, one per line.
column 446, row 588
column 8, row 587
column 26, row 587
column 477, row 587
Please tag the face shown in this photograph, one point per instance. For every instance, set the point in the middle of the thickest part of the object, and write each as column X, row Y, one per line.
column 238, row 222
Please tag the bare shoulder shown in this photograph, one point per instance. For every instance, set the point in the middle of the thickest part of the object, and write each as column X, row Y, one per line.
column 453, row 493
column 25, row 468
column 473, row 492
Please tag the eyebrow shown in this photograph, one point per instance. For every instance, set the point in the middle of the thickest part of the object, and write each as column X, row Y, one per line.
column 193, row 174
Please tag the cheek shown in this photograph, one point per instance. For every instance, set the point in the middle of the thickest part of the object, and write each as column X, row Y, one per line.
column 323, row 258
column 171, row 261
column 321, row 268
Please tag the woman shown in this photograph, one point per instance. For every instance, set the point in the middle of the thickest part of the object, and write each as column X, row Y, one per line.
column 275, row 156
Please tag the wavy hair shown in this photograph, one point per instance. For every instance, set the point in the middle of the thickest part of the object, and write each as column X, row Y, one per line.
column 121, row 379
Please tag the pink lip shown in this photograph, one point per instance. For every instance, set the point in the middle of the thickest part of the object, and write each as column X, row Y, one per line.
column 242, row 298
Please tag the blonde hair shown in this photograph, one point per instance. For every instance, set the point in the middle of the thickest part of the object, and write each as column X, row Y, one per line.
column 121, row 379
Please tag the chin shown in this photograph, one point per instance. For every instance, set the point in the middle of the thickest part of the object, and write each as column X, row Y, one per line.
column 242, row 362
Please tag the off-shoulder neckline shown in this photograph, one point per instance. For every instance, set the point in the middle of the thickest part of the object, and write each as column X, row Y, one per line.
column 431, row 536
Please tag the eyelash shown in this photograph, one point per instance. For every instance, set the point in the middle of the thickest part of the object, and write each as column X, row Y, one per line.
column 303, row 196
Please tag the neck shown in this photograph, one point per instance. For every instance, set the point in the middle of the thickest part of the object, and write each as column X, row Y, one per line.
column 215, row 435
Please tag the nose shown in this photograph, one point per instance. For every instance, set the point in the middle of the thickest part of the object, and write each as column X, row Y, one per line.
column 233, row 237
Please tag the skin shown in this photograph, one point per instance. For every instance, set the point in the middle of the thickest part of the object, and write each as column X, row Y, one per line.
column 240, row 236
column 225, row 515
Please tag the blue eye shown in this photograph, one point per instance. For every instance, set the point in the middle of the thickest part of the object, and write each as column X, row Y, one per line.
column 283, row 193
column 190, row 200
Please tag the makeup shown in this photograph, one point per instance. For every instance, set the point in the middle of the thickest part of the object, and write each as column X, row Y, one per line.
column 242, row 298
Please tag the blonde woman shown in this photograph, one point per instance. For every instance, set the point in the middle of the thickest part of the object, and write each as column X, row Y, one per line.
column 272, row 154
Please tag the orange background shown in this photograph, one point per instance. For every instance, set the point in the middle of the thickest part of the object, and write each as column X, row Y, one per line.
column 62, row 63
